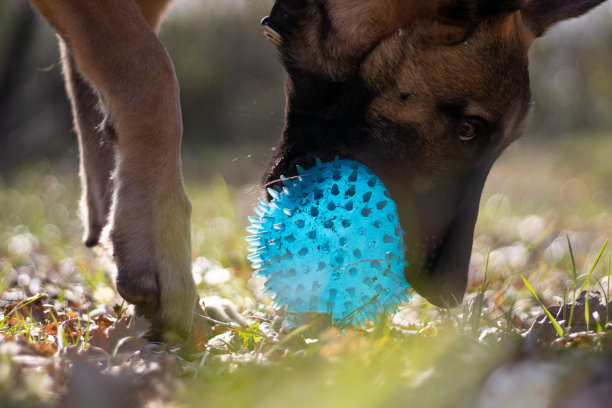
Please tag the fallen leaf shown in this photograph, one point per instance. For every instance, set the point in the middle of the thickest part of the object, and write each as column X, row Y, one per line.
column 498, row 299
column 29, row 307
column 124, row 336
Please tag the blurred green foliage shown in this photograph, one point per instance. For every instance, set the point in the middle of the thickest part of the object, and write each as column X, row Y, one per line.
column 571, row 71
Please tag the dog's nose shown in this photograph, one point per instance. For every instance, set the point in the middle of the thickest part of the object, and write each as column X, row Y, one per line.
column 440, row 274
column 440, row 294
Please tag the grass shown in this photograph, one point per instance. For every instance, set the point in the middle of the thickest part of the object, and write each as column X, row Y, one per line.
column 538, row 245
column 552, row 319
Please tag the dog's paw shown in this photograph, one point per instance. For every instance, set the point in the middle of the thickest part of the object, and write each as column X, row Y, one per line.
column 153, row 256
column 138, row 284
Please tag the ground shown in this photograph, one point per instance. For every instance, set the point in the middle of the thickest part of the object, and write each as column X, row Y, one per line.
column 533, row 330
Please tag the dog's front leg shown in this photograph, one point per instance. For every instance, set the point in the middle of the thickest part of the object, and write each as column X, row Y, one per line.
column 96, row 152
column 117, row 51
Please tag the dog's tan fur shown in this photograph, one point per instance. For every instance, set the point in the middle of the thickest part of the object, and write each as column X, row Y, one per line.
column 357, row 25
column 428, row 79
column 111, row 46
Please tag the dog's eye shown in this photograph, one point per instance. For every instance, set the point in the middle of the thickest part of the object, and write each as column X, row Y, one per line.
column 468, row 130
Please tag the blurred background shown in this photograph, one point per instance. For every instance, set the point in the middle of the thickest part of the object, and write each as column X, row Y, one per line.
column 232, row 86
column 230, row 77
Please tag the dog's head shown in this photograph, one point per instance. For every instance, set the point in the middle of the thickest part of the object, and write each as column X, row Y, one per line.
column 426, row 93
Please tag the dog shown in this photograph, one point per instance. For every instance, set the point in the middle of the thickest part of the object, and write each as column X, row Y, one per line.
column 426, row 93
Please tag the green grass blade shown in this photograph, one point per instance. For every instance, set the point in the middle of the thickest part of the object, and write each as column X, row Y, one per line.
column 586, row 284
column 568, row 325
column 587, row 314
column 605, row 297
column 574, row 269
column 23, row 303
column 608, row 292
column 552, row 319
column 601, row 251
column 479, row 301
column 288, row 338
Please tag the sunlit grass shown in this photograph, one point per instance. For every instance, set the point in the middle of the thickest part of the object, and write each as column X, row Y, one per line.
column 217, row 230
column 533, row 207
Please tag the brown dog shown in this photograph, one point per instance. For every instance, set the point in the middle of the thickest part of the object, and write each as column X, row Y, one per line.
column 427, row 93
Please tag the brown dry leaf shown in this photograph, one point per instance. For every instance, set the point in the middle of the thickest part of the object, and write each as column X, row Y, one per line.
column 518, row 322
column 498, row 299
column 201, row 333
column 218, row 329
column 56, row 316
column 45, row 348
column 582, row 340
column 103, row 322
column 73, row 329
column 597, row 308
column 126, row 335
column 29, row 307
column 51, row 329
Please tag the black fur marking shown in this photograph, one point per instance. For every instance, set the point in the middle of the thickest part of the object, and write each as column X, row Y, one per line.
column 324, row 118
column 456, row 13
column 91, row 242
column 404, row 96
column 453, row 110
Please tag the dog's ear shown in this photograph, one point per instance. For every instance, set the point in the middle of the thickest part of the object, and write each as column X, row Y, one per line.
column 539, row 15
column 466, row 12
column 456, row 19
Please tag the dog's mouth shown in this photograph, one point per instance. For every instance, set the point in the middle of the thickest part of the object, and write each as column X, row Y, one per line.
column 438, row 238
column 438, row 276
column 442, row 232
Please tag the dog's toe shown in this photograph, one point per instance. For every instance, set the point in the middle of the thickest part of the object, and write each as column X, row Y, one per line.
column 91, row 242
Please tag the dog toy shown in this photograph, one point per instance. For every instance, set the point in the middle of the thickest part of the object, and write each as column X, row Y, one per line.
column 330, row 242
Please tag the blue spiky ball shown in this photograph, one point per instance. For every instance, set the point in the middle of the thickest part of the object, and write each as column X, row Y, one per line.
column 330, row 242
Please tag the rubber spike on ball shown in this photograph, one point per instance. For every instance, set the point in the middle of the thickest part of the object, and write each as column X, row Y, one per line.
column 330, row 242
